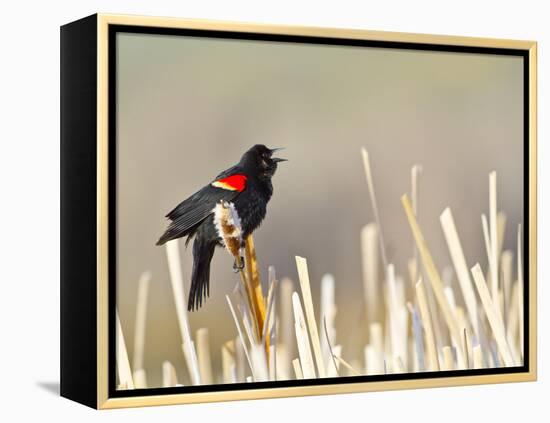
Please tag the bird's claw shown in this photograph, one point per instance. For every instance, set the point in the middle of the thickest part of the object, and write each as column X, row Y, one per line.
column 236, row 267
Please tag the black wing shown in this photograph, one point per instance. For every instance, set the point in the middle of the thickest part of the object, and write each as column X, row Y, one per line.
column 191, row 212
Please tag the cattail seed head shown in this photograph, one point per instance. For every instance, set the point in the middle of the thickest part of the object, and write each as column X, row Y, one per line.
column 228, row 226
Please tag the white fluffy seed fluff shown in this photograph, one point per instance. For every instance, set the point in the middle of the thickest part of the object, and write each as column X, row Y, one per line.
column 228, row 226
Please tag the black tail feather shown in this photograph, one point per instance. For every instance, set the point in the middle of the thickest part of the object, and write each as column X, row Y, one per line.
column 173, row 232
column 166, row 236
column 203, row 251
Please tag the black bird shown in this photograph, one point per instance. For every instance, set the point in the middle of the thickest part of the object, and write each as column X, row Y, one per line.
column 248, row 186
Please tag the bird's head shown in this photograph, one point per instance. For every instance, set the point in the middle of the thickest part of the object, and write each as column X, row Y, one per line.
column 260, row 160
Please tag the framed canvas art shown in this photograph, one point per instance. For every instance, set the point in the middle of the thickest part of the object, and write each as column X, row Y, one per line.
column 257, row 211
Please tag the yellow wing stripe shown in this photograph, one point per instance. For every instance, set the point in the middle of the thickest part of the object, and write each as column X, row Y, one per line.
column 220, row 184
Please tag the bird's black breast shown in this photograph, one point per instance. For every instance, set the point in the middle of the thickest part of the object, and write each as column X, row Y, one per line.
column 251, row 205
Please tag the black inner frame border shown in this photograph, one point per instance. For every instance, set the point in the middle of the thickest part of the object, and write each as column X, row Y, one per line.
column 113, row 30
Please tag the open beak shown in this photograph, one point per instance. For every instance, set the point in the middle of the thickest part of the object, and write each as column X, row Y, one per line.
column 277, row 159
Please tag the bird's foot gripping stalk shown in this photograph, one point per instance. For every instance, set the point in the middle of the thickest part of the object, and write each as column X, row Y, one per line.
column 238, row 265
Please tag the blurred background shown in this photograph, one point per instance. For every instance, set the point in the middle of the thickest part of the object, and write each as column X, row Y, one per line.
column 187, row 108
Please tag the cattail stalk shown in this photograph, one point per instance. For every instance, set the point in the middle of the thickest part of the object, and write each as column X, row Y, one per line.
column 188, row 346
column 141, row 316
column 203, row 352
column 302, row 339
column 255, row 286
column 229, row 367
column 303, row 275
column 433, row 361
column 169, row 377
column 433, row 275
column 459, row 262
column 370, row 184
column 493, row 315
column 370, row 257
column 520, row 292
column 122, row 362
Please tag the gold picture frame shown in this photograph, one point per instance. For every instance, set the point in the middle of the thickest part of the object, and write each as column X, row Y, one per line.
column 98, row 27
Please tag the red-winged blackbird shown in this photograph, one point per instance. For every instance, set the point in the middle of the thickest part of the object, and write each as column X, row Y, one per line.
column 248, row 186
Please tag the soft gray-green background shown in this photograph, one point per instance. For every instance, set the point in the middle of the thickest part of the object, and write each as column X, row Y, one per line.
column 187, row 109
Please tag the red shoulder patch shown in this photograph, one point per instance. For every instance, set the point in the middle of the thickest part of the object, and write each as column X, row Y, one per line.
column 231, row 183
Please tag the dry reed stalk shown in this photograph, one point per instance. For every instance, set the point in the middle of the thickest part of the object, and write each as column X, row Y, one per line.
column 412, row 269
column 259, row 361
column 489, row 250
column 520, row 291
column 388, row 355
column 376, row 361
column 478, row 357
column 494, row 234
column 273, row 284
column 122, row 362
column 249, row 293
column 287, row 335
column 512, row 325
column 239, row 330
column 203, row 353
column 370, row 184
column 459, row 262
column 506, row 264
column 303, row 274
column 433, row 275
column 465, row 329
column 448, row 360
column 247, row 322
column 332, row 370
column 433, row 362
column 284, row 362
column 229, row 367
column 272, row 362
column 268, row 333
column 501, row 231
column 348, row 366
column 188, row 346
column 268, row 326
column 415, row 174
column 253, row 310
column 240, row 360
column 140, row 379
column 441, row 331
column 253, row 279
column 493, row 315
column 414, row 365
column 370, row 258
column 513, row 318
column 467, row 344
column 140, row 322
column 418, row 341
column 169, row 377
column 449, row 293
column 371, row 367
column 302, row 339
column 327, row 317
column 297, row 368
column 377, row 338
column 398, row 317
